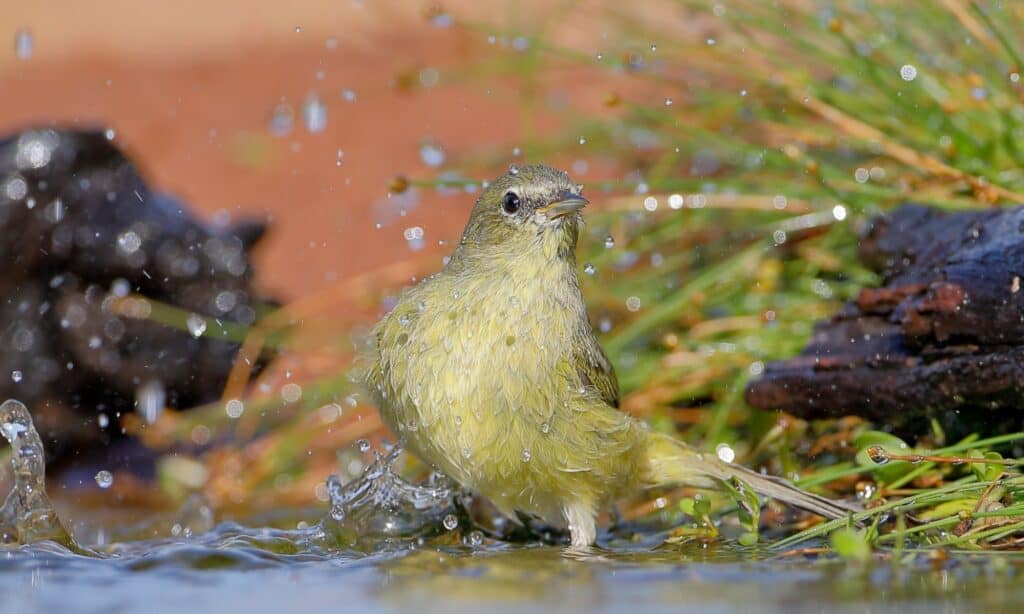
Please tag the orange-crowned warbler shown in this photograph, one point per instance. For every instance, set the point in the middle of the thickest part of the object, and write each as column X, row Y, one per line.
column 490, row 372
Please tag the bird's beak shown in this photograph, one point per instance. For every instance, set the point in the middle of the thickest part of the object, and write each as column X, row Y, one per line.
column 566, row 204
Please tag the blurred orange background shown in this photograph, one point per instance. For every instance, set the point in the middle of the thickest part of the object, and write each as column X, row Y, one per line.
column 190, row 88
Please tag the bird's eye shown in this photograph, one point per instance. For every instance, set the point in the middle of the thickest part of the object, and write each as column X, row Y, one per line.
column 510, row 204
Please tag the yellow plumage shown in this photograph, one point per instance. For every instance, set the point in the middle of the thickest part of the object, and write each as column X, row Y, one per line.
column 490, row 371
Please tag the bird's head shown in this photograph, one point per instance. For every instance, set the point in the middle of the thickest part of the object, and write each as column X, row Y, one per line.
column 529, row 211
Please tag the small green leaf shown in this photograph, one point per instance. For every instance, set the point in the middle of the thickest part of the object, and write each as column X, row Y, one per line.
column 851, row 545
column 701, row 506
column 946, row 509
column 984, row 471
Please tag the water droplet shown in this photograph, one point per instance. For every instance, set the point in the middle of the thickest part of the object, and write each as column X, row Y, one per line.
column 128, row 243
column 225, row 301
column 414, row 236
column 475, row 539
column 363, row 445
column 348, row 95
column 878, row 455
column 513, row 169
column 16, row 376
column 314, row 114
column 24, row 44
column 545, row 427
column 651, row 203
column 15, row 188
column 589, row 268
column 654, row 47
column 150, row 399
column 282, row 120
column 668, row 102
column 866, row 490
column 583, row 140
column 441, row 19
column 104, row 479
column 609, row 242
column 527, row 455
column 725, row 453
column 839, row 212
column 234, row 408
column 196, row 324
column 291, row 393
column 908, row 72
column 633, row 303
column 432, row 154
column 450, row 522
column 103, row 421
column 779, row 236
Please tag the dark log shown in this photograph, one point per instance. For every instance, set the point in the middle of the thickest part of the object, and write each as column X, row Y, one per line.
column 942, row 338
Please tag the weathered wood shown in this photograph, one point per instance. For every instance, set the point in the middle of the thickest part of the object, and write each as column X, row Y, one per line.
column 944, row 334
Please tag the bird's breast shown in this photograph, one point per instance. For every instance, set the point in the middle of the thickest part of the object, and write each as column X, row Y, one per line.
column 478, row 368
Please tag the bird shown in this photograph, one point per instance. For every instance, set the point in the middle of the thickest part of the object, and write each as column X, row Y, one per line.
column 490, row 372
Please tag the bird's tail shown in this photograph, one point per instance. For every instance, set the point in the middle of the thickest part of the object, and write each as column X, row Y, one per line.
column 671, row 462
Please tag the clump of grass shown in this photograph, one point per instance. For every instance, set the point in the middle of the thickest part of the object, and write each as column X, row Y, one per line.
column 748, row 143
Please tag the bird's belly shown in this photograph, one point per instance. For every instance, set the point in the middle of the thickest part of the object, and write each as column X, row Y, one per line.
column 490, row 411
column 478, row 379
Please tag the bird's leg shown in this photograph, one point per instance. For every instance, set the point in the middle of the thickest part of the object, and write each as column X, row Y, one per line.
column 582, row 524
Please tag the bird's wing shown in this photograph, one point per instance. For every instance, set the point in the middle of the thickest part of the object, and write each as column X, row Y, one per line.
column 596, row 370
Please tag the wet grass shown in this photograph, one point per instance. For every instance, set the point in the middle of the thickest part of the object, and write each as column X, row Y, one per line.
column 748, row 143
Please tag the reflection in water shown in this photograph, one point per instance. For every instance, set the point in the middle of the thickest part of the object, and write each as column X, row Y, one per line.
column 238, row 569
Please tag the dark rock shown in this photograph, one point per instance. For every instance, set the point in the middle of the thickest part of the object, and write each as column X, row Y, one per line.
column 80, row 228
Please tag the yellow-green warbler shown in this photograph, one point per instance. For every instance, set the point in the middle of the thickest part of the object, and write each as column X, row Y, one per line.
column 490, row 372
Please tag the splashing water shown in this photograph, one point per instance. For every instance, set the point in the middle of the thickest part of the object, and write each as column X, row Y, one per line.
column 381, row 506
column 27, row 515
